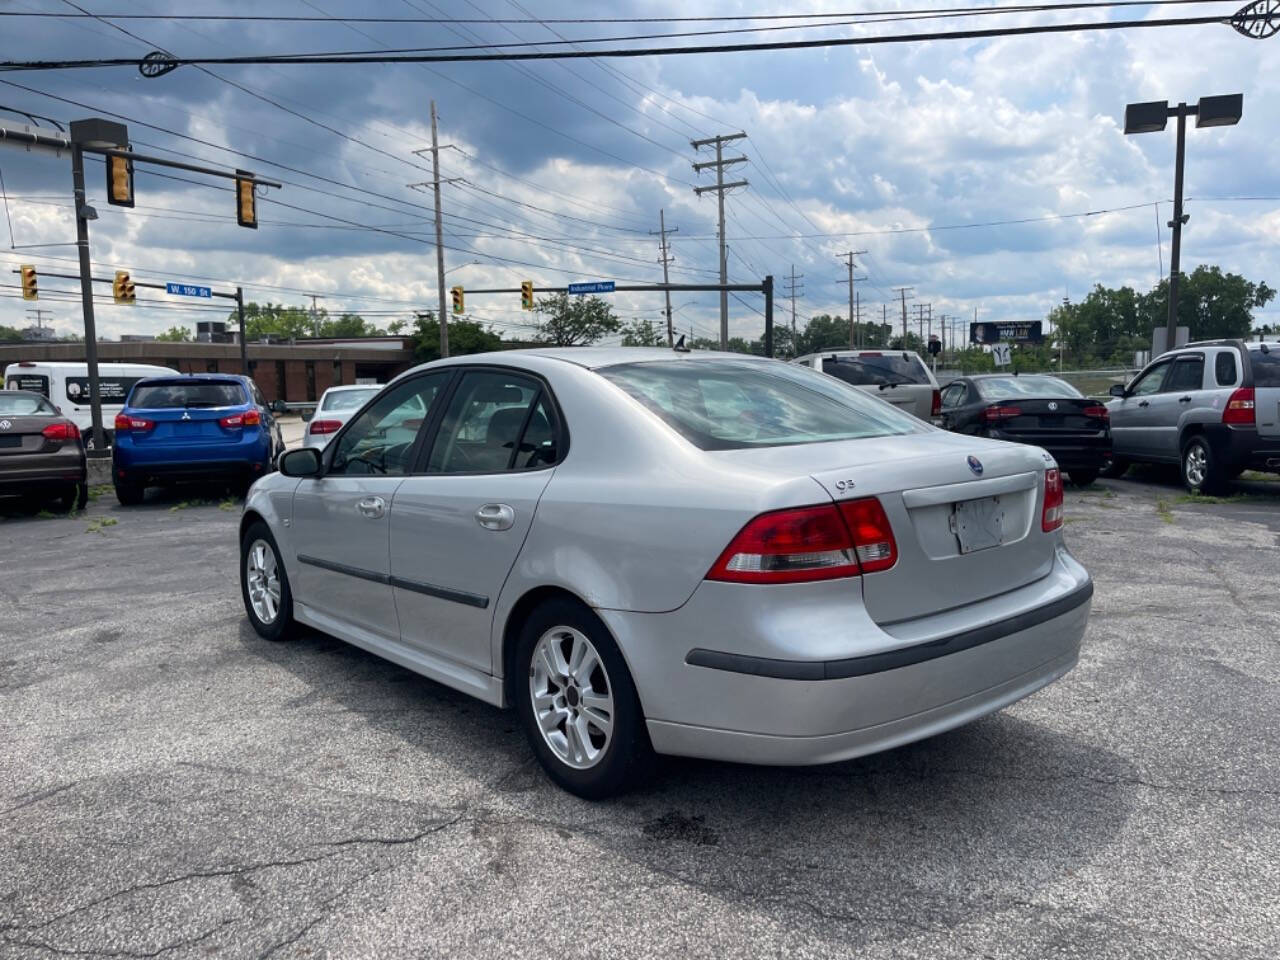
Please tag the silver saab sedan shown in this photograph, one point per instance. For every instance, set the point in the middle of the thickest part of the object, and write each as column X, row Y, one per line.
column 701, row 554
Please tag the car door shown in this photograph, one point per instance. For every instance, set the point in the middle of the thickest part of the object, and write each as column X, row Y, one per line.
column 457, row 527
column 952, row 398
column 1182, row 390
column 1131, row 422
column 341, row 519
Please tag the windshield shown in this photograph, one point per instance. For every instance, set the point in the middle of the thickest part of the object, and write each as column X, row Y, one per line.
column 1266, row 367
column 346, row 399
column 876, row 369
column 24, row 404
column 187, row 393
column 1013, row 388
column 735, row 404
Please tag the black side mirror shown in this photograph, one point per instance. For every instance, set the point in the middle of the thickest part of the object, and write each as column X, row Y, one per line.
column 304, row 462
column 1117, row 390
column 278, row 406
column 307, row 415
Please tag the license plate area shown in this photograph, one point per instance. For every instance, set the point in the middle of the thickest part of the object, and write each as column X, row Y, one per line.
column 978, row 524
column 13, row 440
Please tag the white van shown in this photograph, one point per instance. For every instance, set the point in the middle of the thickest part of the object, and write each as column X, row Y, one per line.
column 66, row 383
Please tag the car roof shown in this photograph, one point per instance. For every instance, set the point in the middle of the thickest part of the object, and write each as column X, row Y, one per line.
column 988, row 376
column 80, row 364
column 594, row 358
column 341, row 387
column 193, row 378
column 26, row 393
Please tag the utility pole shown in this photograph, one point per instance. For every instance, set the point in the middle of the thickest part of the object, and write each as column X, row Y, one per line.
column 792, row 293
column 244, row 337
column 39, row 315
column 315, row 314
column 442, row 314
column 719, row 163
column 884, row 321
column 903, row 292
column 853, row 339
column 857, row 315
column 664, row 259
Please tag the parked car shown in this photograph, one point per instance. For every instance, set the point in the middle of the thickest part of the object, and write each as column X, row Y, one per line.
column 197, row 427
column 898, row 376
column 66, row 384
column 1037, row 409
column 41, row 452
column 700, row 554
column 1212, row 407
column 337, row 406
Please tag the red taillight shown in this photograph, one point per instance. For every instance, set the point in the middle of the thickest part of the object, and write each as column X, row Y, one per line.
column 1098, row 412
column 809, row 543
column 1051, row 518
column 62, row 431
column 250, row 418
column 126, row 421
column 325, row 426
column 1240, row 408
column 991, row 414
column 936, row 409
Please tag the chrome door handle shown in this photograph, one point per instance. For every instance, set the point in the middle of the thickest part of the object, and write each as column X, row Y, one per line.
column 496, row 516
column 372, row 507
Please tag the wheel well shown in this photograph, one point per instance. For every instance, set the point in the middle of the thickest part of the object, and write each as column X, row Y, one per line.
column 1189, row 431
column 515, row 620
column 250, row 517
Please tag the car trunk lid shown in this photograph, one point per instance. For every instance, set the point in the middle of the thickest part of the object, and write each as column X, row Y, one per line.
column 1266, row 386
column 187, row 425
column 1048, row 416
column 25, row 434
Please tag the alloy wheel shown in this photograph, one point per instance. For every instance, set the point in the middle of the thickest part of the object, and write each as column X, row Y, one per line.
column 572, row 697
column 263, row 578
column 1196, row 465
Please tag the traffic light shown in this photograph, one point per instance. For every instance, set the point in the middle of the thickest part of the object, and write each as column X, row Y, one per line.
column 526, row 295
column 120, row 181
column 246, row 200
column 457, row 299
column 122, row 288
column 29, row 291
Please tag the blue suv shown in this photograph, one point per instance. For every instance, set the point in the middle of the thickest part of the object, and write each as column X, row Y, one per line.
column 193, row 427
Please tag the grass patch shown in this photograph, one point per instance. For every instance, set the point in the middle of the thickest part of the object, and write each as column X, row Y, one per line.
column 184, row 504
column 97, row 524
column 46, row 515
column 1164, row 510
column 100, row 490
column 1257, row 476
column 1230, row 498
column 229, row 504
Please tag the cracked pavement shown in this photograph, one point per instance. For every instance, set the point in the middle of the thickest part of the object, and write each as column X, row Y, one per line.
column 172, row 786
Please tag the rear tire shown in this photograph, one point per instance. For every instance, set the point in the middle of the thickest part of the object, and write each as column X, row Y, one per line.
column 129, row 493
column 1082, row 478
column 73, row 497
column 1201, row 473
column 264, row 585
column 1115, row 468
column 607, row 751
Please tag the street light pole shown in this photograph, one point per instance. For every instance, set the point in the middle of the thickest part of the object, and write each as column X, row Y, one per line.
column 1175, row 249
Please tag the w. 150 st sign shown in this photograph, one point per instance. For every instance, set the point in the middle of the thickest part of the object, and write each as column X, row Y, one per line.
column 1018, row 331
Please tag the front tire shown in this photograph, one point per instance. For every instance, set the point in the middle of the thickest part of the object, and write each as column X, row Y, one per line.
column 1082, row 478
column 1201, row 472
column 578, row 703
column 129, row 493
column 264, row 585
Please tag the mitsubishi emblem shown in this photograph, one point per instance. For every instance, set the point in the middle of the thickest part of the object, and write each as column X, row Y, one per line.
column 186, row 415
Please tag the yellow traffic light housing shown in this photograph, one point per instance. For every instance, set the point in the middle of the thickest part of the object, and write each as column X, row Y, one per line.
column 120, row 181
column 29, row 291
column 457, row 299
column 122, row 289
column 526, row 295
column 246, row 200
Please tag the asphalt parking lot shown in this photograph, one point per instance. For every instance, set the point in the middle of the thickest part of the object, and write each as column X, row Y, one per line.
column 173, row 786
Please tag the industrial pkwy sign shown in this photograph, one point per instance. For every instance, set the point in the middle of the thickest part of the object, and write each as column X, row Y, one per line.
column 598, row 286
column 187, row 290
column 1018, row 331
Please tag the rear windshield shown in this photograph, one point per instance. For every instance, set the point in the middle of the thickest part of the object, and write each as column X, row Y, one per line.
column 1012, row 388
column 1266, row 367
column 736, row 404
column 35, row 382
column 187, row 393
column 874, row 369
column 24, row 404
column 346, row 399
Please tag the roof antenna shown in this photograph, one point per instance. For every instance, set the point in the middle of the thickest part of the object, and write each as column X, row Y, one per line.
column 679, row 346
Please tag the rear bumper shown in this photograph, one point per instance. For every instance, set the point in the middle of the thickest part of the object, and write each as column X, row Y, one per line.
column 861, row 688
column 40, row 470
column 244, row 458
column 1243, row 447
column 1087, row 452
column 189, row 470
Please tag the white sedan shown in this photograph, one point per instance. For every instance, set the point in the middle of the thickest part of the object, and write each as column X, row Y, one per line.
column 701, row 554
column 337, row 405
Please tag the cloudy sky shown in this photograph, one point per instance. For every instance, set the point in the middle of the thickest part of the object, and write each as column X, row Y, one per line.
column 911, row 152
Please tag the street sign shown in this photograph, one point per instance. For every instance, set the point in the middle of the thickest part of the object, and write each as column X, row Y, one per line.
column 187, row 290
column 598, row 286
column 1016, row 331
column 1001, row 353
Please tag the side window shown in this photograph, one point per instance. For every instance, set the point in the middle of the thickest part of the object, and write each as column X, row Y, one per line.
column 257, row 394
column 1188, row 374
column 1225, row 368
column 495, row 422
column 380, row 440
column 1149, row 382
column 951, row 396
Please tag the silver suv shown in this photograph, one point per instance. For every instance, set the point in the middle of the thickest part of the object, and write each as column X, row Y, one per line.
column 898, row 376
column 1213, row 407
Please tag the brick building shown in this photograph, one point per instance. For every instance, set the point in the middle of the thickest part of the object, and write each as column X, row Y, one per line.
column 294, row 372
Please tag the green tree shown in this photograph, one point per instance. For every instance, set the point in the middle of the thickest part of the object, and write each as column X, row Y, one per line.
column 349, row 325
column 1215, row 305
column 823, row 332
column 277, row 320
column 10, row 335
column 643, row 333
column 465, row 336
column 175, row 335
column 574, row 321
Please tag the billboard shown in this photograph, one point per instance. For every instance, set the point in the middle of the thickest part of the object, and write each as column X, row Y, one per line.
column 1016, row 331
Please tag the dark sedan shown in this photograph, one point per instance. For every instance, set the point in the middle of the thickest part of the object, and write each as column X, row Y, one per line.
column 1035, row 409
column 41, row 452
